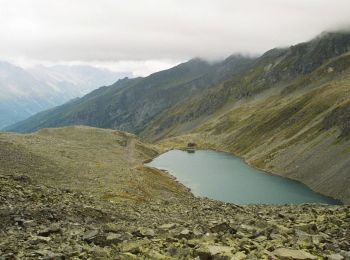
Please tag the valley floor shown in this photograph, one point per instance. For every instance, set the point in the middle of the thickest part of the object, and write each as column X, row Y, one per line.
column 83, row 193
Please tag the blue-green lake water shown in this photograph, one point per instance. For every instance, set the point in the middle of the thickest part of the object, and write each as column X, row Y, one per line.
column 224, row 177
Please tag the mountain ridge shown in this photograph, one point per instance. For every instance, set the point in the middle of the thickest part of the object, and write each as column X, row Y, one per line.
column 128, row 110
column 25, row 92
column 279, row 111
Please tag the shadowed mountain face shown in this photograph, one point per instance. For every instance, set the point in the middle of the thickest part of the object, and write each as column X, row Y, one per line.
column 285, row 112
column 284, row 71
column 196, row 89
column 131, row 104
column 26, row 92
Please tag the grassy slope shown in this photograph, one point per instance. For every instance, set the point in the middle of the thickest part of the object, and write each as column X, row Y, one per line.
column 299, row 67
column 70, row 193
column 105, row 163
column 130, row 104
column 301, row 133
column 286, row 112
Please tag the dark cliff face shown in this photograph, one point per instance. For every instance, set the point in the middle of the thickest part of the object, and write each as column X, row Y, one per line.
column 306, row 57
column 286, row 69
column 339, row 117
column 280, row 65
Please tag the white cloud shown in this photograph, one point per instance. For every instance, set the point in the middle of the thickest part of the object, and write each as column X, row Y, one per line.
column 154, row 34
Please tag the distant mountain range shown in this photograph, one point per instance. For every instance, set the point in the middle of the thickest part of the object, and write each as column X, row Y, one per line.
column 132, row 104
column 24, row 92
column 286, row 112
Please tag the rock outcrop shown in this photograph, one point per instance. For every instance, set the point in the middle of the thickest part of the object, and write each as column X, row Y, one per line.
column 40, row 222
column 119, row 209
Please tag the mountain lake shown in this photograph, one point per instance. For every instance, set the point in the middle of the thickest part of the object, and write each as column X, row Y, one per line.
column 222, row 176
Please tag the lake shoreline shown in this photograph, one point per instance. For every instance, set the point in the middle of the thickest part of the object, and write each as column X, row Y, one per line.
column 184, row 149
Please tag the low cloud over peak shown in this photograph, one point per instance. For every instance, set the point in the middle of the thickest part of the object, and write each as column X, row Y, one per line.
column 168, row 31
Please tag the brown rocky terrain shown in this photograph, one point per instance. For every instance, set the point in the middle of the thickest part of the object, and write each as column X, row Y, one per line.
column 83, row 193
column 286, row 111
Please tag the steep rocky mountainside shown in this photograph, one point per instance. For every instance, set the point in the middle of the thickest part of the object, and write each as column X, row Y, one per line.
column 285, row 112
column 279, row 71
column 288, row 115
column 83, row 193
column 130, row 104
column 175, row 101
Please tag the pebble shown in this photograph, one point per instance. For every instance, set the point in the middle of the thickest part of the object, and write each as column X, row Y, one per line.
column 56, row 224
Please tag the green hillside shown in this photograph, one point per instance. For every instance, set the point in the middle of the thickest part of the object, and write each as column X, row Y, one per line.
column 286, row 112
column 297, row 126
column 84, row 193
column 130, row 104
column 278, row 71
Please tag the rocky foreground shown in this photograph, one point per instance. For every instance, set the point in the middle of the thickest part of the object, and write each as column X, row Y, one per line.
column 82, row 193
column 47, row 223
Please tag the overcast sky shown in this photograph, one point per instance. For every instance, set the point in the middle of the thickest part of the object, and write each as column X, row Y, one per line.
column 144, row 36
